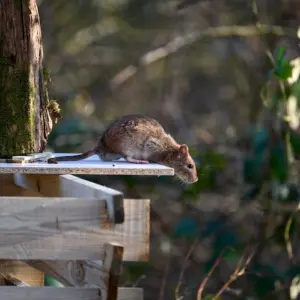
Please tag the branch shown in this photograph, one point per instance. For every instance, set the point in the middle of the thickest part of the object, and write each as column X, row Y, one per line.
column 184, row 41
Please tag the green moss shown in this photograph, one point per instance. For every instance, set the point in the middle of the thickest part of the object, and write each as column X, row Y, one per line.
column 16, row 111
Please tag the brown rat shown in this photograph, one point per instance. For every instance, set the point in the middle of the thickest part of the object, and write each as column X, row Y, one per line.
column 141, row 139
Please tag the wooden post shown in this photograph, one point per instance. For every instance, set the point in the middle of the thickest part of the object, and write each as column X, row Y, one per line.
column 26, row 114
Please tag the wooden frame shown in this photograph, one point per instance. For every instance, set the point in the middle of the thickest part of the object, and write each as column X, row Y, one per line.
column 41, row 209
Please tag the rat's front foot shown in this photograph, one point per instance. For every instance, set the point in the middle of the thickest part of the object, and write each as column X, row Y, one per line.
column 136, row 161
column 52, row 160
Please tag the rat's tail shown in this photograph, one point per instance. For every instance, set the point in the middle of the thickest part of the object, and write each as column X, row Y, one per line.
column 84, row 155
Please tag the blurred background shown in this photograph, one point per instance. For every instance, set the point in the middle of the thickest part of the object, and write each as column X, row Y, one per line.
column 199, row 68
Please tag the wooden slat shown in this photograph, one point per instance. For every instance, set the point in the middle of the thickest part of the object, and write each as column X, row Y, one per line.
column 69, row 228
column 49, row 293
column 130, row 294
column 92, row 165
column 66, row 293
column 71, row 186
column 102, row 274
column 51, row 228
column 16, row 268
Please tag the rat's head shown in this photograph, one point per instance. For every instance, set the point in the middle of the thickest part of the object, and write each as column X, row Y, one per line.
column 184, row 165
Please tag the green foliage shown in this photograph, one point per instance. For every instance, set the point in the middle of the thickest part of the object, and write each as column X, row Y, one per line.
column 295, row 143
column 210, row 164
column 283, row 69
column 255, row 163
column 278, row 161
column 135, row 270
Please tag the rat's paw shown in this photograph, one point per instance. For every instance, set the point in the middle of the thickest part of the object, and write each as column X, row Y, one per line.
column 52, row 160
column 136, row 161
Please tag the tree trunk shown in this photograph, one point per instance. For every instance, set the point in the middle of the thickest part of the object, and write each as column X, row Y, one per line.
column 25, row 110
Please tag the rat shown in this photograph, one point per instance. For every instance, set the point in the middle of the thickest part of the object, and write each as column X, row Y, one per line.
column 141, row 139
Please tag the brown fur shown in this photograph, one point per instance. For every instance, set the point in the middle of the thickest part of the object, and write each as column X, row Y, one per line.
column 141, row 139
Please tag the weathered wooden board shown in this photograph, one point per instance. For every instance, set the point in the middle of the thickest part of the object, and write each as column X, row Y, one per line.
column 71, row 186
column 49, row 293
column 66, row 293
column 22, row 271
column 130, row 294
column 91, row 165
column 102, row 274
column 69, row 228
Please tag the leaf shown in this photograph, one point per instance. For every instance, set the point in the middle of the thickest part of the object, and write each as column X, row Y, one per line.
column 136, row 269
column 233, row 254
column 295, row 143
column 264, row 285
column 186, row 227
column 279, row 55
column 261, row 140
column 295, row 288
column 284, row 70
column 215, row 160
column 51, row 281
column 279, row 161
column 293, row 272
column 130, row 181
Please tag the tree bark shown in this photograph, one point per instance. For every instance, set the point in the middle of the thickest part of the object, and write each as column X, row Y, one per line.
column 25, row 110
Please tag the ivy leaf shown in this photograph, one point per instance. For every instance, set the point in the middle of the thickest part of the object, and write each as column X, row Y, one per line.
column 279, row 55
column 284, row 70
column 261, row 140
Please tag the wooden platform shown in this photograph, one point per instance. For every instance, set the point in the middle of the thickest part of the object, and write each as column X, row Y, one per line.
column 91, row 165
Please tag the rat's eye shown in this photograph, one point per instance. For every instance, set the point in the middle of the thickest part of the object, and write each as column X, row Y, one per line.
column 190, row 166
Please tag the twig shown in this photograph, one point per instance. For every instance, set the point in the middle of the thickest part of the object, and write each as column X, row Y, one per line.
column 288, row 242
column 178, row 286
column 204, row 281
column 238, row 272
column 186, row 40
column 164, row 281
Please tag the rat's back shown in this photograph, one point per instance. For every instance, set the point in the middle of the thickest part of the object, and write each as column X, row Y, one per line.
column 136, row 136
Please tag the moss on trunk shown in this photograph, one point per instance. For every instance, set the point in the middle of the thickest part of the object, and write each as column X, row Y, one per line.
column 25, row 120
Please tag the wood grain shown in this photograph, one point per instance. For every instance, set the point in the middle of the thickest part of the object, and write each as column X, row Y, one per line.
column 66, row 293
column 102, row 274
column 22, row 271
column 92, row 165
column 71, row 186
column 49, row 293
column 130, row 294
column 69, row 228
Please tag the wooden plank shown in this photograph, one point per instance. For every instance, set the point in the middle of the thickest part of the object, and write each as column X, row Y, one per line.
column 51, row 228
column 91, row 165
column 65, row 293
column 71, row 186
column 49, row 293
column 103, row 274
column 69, row 228
column 20, row 270
column 130, row 294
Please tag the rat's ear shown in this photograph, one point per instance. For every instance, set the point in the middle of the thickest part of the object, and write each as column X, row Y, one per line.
column 183, row 150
